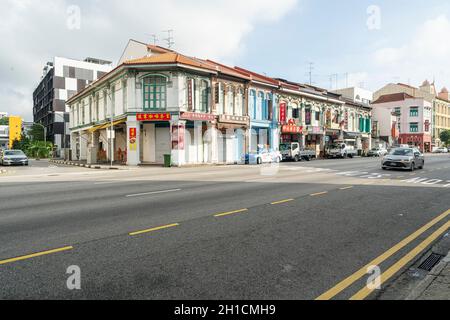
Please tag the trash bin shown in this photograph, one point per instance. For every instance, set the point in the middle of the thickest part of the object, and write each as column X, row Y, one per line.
column 167, row 160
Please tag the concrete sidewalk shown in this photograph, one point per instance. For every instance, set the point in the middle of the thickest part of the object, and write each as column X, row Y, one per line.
column 436, row 285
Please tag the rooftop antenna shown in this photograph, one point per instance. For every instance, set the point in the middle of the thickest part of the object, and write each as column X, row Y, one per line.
column 155, row 39
column 169, row 39
column 310, row 72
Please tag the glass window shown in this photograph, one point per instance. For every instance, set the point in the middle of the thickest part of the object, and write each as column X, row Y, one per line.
column 414, row 127
column 414, row 112
column 204, row 94
column 155, row 89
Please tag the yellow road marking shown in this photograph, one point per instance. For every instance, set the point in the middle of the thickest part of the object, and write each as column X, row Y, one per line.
column 35, row 255
column 318, row 194
column 230, row 213
column 282, row 201
column 341, row 286
column 365, row 292
column 154, row 229
column 346, row 188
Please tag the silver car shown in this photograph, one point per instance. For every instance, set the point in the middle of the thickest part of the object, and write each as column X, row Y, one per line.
column 403, row 158
column 13, row 157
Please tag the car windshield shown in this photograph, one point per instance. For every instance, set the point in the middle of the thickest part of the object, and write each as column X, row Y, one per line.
column 285, row 147
column 401, row 152
column 14, row 153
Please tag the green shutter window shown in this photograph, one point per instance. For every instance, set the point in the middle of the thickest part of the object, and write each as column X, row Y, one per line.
column 414, row 127
column 367, row 126
column 155, row 92
column 414, row 112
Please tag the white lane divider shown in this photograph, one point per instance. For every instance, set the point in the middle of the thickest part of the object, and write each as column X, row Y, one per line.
column 152, row 193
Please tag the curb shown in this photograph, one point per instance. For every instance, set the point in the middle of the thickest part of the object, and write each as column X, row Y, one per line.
column 425, row 283
column 82, row 165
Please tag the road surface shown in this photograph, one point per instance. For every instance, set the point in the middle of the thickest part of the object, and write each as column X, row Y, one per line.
column 293, row 231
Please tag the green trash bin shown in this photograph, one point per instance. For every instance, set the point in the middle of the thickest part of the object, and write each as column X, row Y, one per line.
column 167, row 160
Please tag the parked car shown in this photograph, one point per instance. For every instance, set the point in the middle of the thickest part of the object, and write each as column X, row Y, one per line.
column 293, row 151
column 263, row 155
column 403, row 158
column 440, row 150
column 342, row 150
column 13, row 157
column 377, row 152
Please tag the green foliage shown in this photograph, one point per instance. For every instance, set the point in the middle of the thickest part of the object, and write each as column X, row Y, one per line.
column 36, row 133
column 4, row 121
column 39, row 149
column 34, row 149
column 445, row 137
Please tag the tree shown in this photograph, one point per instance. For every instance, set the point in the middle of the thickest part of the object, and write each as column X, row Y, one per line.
column 4, row 121
column 445, row 137
column 36, row 133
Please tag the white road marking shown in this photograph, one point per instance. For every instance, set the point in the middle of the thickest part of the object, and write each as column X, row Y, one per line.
column 151, row 193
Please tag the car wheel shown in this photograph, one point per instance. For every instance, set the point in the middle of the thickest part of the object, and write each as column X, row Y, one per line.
column 384, row 168
column 413, row 167
column 297, row 159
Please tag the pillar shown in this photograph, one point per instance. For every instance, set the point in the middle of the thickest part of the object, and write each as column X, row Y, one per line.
column 178, row 141
column 133, row 141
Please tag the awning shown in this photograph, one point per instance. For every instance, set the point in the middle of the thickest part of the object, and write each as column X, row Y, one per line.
column 107, row 125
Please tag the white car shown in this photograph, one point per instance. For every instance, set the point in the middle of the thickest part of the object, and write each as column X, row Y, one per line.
column 263, row 156
column 377, row 152
column 440, row 150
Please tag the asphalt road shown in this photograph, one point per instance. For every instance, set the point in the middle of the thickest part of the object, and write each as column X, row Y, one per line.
column 292, row 231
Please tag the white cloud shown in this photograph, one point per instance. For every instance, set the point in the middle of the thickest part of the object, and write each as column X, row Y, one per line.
column 424, row 56
column 32, row 32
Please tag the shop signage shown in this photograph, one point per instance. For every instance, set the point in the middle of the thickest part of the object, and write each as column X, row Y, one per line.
column 234, row 119
column 315, row 130
column 292, row 129
column 193, row 116
column 283, row 112
column 178, row 137
column 153, row 117
column 190, row 93
column 133, row 137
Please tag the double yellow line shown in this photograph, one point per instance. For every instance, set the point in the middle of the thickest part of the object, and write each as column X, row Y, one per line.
column 365, row 292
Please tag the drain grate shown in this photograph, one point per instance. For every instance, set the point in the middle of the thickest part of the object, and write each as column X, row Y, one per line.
column 431, row 262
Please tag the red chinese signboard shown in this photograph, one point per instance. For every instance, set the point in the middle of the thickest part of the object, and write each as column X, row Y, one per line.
column 133, row 136
column 292, row 129
column 190, row 93
column 153, row 117
column 283, row 112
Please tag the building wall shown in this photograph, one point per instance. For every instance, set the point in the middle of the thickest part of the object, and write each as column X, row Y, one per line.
column 15, row 129
column 63, row 79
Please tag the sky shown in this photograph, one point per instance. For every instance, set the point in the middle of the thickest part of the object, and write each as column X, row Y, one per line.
column 333, row 43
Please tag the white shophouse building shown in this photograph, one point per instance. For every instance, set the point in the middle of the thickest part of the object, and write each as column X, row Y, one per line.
column 165, row 104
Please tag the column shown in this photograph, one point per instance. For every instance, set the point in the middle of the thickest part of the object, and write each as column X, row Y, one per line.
column 93, row 147
column 214, row 144
column 178, row 141
column 133, row 141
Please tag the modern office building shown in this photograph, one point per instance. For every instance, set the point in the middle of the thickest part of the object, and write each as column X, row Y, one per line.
column 62, row 78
